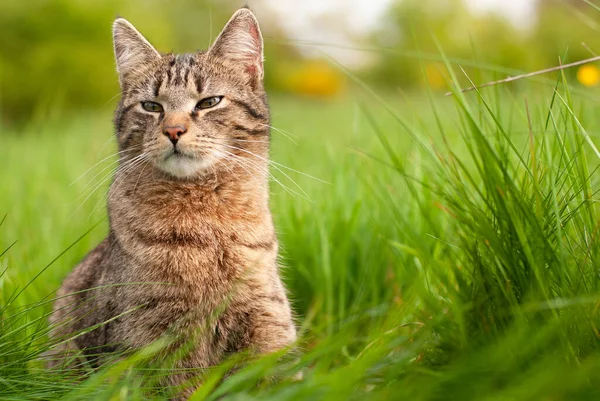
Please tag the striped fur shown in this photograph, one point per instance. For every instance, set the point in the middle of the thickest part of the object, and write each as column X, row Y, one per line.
column 192, row 249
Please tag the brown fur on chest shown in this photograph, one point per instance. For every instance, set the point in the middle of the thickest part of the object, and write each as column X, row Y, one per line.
column 199, row 236
column 185, row 252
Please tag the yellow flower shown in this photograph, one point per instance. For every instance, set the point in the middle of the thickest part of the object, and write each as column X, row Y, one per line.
column 316, row 78
column 588, row 75
column 437, row 75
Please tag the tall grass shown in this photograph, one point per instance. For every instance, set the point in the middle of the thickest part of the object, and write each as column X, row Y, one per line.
column 452, row 253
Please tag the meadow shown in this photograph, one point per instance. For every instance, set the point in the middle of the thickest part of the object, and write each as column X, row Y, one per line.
column 435, row 248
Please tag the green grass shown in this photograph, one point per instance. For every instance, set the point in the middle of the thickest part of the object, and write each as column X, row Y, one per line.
column 451, row 254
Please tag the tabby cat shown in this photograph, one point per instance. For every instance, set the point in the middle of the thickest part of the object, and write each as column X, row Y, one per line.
column 191, row 249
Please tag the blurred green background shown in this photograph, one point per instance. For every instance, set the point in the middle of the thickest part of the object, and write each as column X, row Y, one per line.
column 434, row 247
column 56, row 55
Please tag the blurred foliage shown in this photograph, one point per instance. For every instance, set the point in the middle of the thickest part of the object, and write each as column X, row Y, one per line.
column 313, row 78
column 418, row 29
column 57, row 54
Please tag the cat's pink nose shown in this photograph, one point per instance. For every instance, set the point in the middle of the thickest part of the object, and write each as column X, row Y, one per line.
column 174, row 132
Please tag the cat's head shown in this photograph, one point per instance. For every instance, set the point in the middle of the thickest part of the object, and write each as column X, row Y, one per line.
column 188, row 113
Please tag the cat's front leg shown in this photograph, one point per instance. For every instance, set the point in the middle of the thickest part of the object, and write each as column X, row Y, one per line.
column 271, row 327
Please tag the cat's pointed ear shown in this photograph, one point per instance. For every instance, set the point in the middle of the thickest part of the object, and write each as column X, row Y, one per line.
column 241, row 41
column 132, row 50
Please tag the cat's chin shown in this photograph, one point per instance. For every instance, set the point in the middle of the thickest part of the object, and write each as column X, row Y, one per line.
column 183, row 166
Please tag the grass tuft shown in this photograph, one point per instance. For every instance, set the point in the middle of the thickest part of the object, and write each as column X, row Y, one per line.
column 454, row 254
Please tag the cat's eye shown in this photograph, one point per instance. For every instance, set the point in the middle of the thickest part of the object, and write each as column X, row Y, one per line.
column 152, row 107
column 208, row 102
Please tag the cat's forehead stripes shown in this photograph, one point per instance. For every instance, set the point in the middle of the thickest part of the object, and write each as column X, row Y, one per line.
column 180, row 70
column 178, row 83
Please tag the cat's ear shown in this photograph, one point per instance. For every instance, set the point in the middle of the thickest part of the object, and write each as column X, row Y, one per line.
column 241, row 41
column 132, row 50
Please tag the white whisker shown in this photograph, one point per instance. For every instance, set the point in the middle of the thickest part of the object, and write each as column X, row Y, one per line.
column 125, row 165
column 138, row 179
column 110, row 173
column 287, row 134
column 106, row 158
column 274, row 165
column 240, row 162
column 122, row 174
column 243, row 140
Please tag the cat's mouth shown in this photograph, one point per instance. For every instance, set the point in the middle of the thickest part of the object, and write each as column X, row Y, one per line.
column 182, row 164
column 177, row 154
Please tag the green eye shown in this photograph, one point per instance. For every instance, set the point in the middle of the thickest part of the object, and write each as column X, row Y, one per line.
column 208, row 102
column 152, row 106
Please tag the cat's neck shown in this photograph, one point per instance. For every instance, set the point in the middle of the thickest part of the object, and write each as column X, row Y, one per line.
column 149, row 193
column 152, row 214
column 184, row 226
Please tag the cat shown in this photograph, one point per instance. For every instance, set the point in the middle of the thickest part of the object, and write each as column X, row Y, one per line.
column 191, row 248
